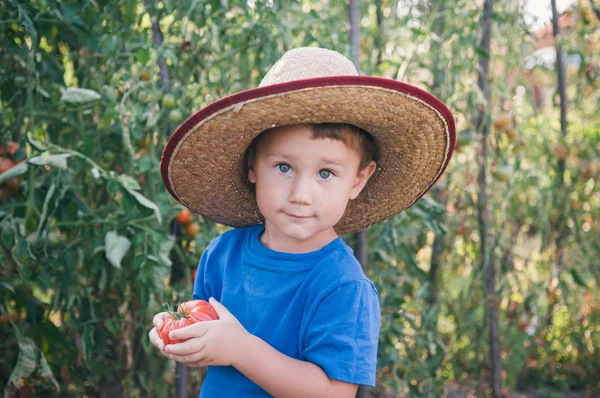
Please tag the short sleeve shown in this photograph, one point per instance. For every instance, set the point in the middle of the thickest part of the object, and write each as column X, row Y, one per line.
column 342, row 337
column 202, row 289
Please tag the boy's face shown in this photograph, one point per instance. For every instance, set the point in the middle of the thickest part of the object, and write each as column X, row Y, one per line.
column 303, row 186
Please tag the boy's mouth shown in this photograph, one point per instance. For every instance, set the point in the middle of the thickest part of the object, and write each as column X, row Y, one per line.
column 296, row 216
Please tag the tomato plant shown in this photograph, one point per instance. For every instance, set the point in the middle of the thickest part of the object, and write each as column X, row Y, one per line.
column 11, row 148
column 81, row 224
column 185, row 216
column 145, row 75
column 5, row 164
column 175, row 116
column 191, row 230
column 8, row 188
column 169, row 101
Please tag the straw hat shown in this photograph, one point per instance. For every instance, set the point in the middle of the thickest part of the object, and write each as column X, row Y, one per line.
column 414, row 132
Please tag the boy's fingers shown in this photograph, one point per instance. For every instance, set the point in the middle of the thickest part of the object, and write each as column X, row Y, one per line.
column 195, row 330
column 166, row 354
column 155, row 339
column 187, row 347
column 157, row 321
column 220, row 309
column 187, row 357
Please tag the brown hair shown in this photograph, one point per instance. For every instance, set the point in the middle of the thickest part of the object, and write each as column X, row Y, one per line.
column 353, row 137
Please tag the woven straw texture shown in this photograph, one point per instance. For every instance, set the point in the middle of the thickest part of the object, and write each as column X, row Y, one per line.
column 204, row 169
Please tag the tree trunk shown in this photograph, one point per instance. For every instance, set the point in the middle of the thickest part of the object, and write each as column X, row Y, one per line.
column 437, row 249
column 483, row 127
column 379, row 36
column 354, row 17
column 562, row 87
column 437, row 192
column 561, row 228
column 157, row 38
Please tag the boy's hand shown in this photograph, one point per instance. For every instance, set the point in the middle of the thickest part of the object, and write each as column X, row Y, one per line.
column 155, row 339
column 214, row 343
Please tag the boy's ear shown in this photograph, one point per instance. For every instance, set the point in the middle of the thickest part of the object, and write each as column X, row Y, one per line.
column 250, row 162
column 361, row 179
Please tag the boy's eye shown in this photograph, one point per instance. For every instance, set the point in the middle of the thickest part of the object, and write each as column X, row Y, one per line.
column 325, row 174
column 284, row 168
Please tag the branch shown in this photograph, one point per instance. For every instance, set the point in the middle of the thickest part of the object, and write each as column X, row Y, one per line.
column 157, row 39
column 596, row 10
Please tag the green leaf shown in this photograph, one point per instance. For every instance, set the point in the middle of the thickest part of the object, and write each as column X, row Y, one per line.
column 165, row 250
column 15, row 171
column 143, row 55
column 577, row 278
column 59, row 160
column 8, row 287
column 20, row 253
column 127, row 182
column 146, row 203
column 96, row 173
column 78, row 96
column 418, row 31
column 159, row 274
column 152, row 116
column 36, row 145
column 107, row 119
column 143, row 379
column 145, row 164
column 46, row 372
column 481, row 52
column 26, row 363
column 45, row 206
column 27, row 23
column 115, row 248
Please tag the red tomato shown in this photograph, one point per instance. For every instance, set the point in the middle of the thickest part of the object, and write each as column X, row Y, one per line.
column 5, row 164
column 185, row 216
column 198, row 310
column 173, row 323
column 190, row 312
column 9, row 187
column 11, row 148
column 191, row 230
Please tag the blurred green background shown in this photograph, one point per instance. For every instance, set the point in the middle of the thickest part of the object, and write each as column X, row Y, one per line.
column 90, row 249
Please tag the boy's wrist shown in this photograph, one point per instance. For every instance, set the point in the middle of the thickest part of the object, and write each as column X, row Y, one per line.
column 246, row 344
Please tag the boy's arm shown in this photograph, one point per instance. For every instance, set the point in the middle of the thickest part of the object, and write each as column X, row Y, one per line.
column 283, row 376
column 226, row 342
column 340, row 344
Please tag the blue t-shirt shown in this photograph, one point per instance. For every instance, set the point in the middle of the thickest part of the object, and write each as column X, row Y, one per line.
column 317, row 307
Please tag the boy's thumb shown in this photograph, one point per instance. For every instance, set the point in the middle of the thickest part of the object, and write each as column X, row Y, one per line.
column 220, row 309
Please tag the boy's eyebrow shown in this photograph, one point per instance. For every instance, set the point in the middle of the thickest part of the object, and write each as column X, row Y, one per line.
column 334, row 162
column 324, row 160
column 277, row 154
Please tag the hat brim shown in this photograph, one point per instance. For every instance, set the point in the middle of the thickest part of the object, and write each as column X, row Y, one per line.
column 414, row 131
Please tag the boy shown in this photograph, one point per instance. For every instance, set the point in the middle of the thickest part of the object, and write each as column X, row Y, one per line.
column 287, row 162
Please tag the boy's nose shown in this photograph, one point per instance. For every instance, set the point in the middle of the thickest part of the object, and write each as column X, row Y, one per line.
column 301, row 191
